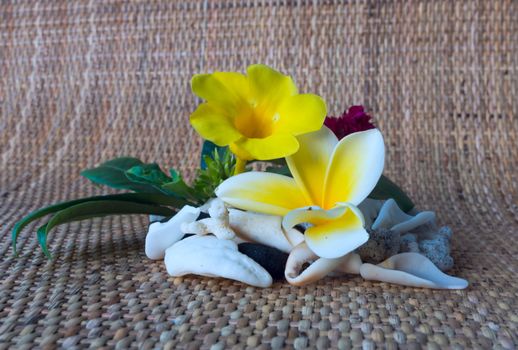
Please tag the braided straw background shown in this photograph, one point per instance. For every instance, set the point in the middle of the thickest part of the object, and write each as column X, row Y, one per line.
column 84, row 81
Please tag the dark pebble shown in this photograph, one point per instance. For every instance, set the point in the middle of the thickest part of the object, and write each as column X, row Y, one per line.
column 203, row 216
column 273, row 260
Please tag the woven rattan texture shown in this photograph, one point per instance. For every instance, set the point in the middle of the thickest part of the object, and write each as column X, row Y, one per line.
column 83, row 81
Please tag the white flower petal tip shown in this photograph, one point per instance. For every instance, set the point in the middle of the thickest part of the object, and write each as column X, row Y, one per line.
column 213, row 257
column 263, row 229
column 161, row 236
column 411, row 269
column 318, row 268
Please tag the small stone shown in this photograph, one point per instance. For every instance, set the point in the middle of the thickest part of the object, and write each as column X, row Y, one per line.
column 271, row 259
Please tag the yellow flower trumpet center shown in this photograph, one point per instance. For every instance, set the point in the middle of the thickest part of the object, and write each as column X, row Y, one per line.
column 254, row 123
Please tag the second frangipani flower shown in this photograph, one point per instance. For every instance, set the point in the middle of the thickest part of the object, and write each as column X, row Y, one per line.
column 258, row 115
column 330, row 178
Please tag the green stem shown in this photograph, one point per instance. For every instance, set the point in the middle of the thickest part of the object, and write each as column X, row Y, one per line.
column 240, row 166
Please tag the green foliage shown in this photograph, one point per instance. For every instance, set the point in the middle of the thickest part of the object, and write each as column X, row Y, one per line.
column 208, row 149
column 219, row 167
column 94, row 209
column 386, row 188
column 156, row 192
column 150, row 174
column 177, row 186
column 146, row 198
column 113, row 173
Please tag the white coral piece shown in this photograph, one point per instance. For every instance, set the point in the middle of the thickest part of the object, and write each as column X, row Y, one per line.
column 244, row 226
column 213, row 257
column 387, row 215
column 218, row 223
column 161, row 236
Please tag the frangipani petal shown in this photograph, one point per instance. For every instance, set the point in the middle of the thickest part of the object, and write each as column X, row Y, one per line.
column 261, row 192
column 300, row 114
column 335, row 233
column 214, row 126
column 355, row 168
column 271, row 147
column 309, row 165
column 224, row 89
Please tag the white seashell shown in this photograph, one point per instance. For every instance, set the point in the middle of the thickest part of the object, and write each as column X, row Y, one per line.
column 263, row 229
column 161, row 236
column 411, row 269
column 370, row 209
column 213, row 257
column 318, row 268
column 390, row 217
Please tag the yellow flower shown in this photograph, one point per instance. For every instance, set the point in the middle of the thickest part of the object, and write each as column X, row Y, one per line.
column 330, row 178
column 257, row 115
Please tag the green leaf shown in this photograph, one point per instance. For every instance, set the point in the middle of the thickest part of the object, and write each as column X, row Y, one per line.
column 113, row 174
column 208, row 149
column 93, row 209
column 386, row 188
column 178, row 187
column 148, row 174
column 149, row 198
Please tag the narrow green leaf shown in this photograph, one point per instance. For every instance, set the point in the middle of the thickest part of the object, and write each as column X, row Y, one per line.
column 113, row 174
column 149, row 198
column 93, row 209
column 386, row 188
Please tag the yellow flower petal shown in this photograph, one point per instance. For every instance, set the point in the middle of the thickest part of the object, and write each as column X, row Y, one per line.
column 269, row 87
column 226, row 90
column 309, row 165
column 261, row 192
column 335, row 233
column 300, row 114
column 355, row 168
column 213, row 126
column 271, row 147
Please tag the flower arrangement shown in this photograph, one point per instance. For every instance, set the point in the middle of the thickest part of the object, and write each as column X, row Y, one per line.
column 321, row 207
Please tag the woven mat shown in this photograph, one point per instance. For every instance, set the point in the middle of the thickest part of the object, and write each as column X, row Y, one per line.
column 84, row 81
